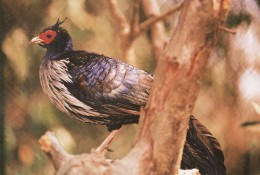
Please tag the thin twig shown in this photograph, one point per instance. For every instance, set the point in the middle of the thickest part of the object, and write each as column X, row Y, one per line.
column 119, row 17
column 158, row 32
column 128, row 32
column 225, row 29
column 144, row 25
column 124, row 32
column 135, row 19
column 220, row 8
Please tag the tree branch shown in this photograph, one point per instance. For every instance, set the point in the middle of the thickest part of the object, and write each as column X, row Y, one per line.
column 150, row 21
column 124, row 26
column 129, row 32
column 158, row 34
column 51, row 146
column 124, row 32
column 64, row 163
column 225, row 29
column 135, row 19
column 87, row 164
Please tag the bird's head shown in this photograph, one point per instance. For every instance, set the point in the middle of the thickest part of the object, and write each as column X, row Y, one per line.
column 55, row 39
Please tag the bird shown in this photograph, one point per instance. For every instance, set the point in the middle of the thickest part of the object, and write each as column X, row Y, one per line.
column 100, row 90
column 202, row 150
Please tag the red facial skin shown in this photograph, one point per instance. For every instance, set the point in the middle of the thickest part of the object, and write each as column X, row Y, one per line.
column 48, row 36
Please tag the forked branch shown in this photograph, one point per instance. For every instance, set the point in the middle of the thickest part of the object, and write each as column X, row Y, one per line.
column 130, row 30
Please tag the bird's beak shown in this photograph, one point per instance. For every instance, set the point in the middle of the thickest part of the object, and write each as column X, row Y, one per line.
column 36, row 40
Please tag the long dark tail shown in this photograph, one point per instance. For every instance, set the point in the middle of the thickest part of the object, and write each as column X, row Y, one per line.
column 202, row 150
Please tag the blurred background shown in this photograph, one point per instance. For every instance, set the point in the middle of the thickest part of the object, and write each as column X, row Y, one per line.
column 228, row 103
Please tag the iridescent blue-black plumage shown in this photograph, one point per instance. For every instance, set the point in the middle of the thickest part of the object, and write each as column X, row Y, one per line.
column 202, row 150
column 109, row 86
column 94, row 88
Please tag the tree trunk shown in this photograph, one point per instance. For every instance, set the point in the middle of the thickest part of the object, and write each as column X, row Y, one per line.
column 177, row 80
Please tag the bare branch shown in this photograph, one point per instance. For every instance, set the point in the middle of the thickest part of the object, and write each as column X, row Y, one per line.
column 87, row 164
column 158, row 34
column 124, row 32
column 51, row 146
column 120, row 18
column 128, row 32
column 225, row 29
column 221, row 8
column 135, row 19
column 150, row 21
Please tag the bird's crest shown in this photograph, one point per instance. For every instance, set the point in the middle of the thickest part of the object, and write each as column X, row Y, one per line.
column 58, row 23
column 56, row 26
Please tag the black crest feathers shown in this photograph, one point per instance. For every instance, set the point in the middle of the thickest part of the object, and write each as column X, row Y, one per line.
column 58, row 23
column 56, row 26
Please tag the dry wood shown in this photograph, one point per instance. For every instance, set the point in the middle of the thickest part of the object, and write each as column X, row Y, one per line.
column 84, row 164
column 176, row 85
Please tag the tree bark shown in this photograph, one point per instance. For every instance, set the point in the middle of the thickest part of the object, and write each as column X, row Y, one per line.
column 177, row 80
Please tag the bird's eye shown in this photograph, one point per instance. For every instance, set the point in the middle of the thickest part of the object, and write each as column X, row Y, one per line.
column 49, row 36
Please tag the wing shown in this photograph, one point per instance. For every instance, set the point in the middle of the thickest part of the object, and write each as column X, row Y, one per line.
column 202, row 150
column 107, row 85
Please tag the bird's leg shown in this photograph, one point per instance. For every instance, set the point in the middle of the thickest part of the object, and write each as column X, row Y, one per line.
column 103, row 147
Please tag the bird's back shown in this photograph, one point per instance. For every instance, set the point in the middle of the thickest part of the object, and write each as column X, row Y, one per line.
column 94, row 88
